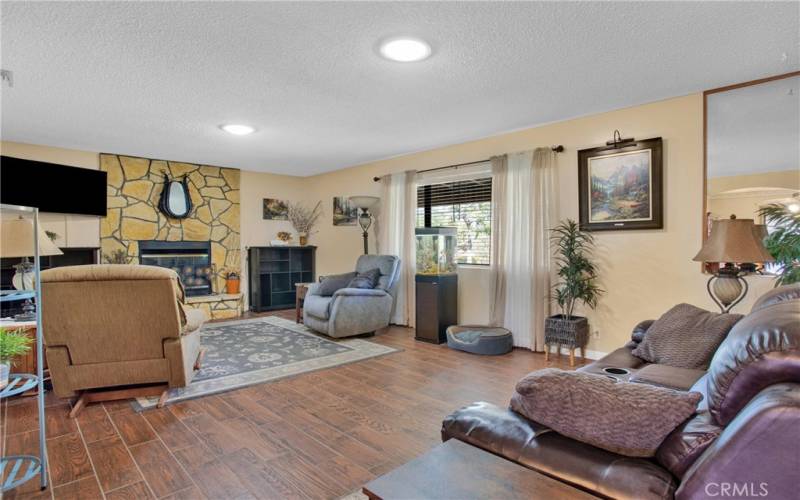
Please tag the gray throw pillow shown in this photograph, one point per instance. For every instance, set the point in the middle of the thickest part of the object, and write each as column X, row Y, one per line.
column 333, row 282
column 367, row 279
column 625, row 418
column 685, row 336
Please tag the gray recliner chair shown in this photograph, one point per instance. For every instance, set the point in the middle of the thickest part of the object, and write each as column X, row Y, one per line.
column 355, row 311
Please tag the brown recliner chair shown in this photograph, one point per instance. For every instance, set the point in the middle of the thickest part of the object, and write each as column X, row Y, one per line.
column 122, row 328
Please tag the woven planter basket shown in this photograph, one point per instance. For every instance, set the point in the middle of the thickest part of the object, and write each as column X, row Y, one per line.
column 570, row 333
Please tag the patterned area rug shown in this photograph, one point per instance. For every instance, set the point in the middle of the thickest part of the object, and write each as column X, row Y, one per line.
column 252, row 351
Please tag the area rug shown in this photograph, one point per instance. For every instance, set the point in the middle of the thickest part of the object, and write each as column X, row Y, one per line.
column 253, row 351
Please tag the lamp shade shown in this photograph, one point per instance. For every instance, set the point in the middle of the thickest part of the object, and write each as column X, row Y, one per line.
column 16, row 239
column 364, row 202
column 735, row 241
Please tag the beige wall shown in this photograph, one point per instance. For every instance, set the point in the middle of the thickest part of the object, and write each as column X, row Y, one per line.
column 743, row 195
column 645, row 272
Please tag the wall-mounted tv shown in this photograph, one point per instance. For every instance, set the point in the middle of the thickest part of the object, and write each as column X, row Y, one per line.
column 51, row 187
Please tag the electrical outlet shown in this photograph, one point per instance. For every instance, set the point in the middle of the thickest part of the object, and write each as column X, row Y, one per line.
column 596, row 334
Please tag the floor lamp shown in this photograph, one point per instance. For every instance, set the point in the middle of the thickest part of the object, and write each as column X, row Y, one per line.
column 365, row 203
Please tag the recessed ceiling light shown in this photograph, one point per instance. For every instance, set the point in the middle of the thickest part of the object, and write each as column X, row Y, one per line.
column 405, row 49
column 238, row 129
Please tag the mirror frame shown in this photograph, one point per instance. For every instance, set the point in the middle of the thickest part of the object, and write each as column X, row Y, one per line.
column 703, row 218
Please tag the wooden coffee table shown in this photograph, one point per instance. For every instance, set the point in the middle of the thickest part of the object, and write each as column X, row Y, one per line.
column 457, row 470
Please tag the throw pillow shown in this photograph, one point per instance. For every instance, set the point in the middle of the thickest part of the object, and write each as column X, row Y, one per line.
column 685, row 336
column 333, row 282
column 367, row 279
column 629, row 419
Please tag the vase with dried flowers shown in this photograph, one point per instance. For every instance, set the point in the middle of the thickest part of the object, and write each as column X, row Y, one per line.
column 304, row 219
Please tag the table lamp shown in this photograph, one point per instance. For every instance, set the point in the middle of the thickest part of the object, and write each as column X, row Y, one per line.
column 364, row 203
column 732, row 242
column 16, row 240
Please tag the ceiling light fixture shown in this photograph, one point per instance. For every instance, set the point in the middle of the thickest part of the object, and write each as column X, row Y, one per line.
column 238, row 129
column 405, row 49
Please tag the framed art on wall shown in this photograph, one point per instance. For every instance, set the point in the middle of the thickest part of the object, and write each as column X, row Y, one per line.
column 620, row 186
column 276, row 209
column 344, row 212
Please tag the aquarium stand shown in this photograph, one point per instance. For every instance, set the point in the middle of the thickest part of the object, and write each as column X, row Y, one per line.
column 437, row 306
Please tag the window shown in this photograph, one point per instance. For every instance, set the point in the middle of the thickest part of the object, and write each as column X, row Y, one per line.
column 465, row 205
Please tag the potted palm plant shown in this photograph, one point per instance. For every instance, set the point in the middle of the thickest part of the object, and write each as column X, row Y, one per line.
column 577, row 284
column 13, row 343
column 783, row 242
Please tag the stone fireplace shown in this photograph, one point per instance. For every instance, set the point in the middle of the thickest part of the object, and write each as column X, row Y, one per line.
column 135, row 231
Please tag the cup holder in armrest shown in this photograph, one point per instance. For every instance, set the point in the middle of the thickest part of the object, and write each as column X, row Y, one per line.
column 612, row 370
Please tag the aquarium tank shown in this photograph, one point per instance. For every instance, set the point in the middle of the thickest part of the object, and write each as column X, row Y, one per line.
column 436, row 250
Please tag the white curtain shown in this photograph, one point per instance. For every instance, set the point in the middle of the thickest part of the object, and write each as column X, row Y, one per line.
column 398, row 220
column 523, row 213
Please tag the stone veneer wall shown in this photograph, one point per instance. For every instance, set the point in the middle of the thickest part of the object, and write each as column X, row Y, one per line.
column 134, row 188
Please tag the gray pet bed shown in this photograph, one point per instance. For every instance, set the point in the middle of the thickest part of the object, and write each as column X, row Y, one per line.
column 479, row 339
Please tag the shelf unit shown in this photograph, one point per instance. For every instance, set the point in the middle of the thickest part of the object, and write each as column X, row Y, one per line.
column 273, row 272
column 18, row 469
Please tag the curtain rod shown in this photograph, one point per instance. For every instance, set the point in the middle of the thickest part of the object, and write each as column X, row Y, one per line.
column 555, row 149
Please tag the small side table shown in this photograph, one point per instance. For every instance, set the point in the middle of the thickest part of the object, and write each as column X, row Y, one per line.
column 300, row 293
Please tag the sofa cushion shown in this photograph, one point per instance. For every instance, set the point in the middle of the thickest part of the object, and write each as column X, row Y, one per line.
column 672, row 377
column 629, row 419
column 685, row 336
column 366, row 279
column 333, row 282
column 510, row 435
column 683, row 445
column 318, row 306
column 776, row 296
column 762, row 349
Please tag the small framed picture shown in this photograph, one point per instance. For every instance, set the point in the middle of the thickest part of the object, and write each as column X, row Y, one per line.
column 276, row 209
column 621, row 187
column 344, row 212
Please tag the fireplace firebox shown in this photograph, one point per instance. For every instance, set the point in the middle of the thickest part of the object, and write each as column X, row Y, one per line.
column 190, row 259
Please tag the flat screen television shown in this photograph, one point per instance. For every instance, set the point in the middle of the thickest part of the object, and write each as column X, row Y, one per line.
column 51, row 187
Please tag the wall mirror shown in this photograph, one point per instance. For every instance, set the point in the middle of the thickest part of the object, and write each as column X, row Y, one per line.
column 175, row 201
column 752, row 149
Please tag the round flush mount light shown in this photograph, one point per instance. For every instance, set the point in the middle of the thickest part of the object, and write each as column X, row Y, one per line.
column 405, row 49
column 237, row 129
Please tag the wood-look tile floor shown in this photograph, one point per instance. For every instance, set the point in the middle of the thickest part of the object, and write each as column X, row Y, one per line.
column 318, row 435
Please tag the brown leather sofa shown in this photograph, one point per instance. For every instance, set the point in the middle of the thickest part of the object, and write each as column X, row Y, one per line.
column 744, row 440
column 112, row 326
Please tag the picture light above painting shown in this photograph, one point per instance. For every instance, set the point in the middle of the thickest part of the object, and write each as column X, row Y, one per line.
column 620, row 185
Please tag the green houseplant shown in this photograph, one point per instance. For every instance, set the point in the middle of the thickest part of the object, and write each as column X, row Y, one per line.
column 12, row 343
column 783, row 242
column 577, row 283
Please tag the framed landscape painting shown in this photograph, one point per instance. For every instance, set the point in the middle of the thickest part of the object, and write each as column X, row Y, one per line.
column 344, row 212
column 276, row 209
column 621, row 187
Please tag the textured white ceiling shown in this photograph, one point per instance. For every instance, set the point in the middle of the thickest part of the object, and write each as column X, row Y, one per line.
column 156, row 79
